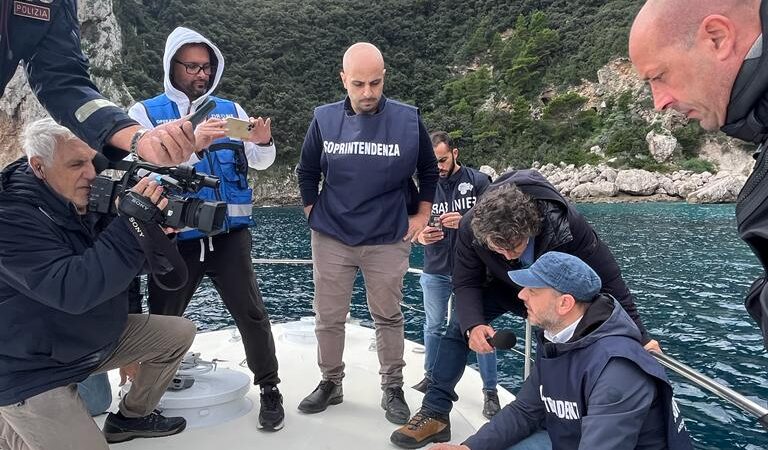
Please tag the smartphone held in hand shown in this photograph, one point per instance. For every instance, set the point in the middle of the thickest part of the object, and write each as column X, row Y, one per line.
column 434, row 221
column 238, row 128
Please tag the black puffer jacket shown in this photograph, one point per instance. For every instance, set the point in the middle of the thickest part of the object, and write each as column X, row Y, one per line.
column 747, row 119
column 480, row 274
column 63, row 290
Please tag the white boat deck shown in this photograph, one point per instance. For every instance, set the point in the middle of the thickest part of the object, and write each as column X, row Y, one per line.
column 357, row 423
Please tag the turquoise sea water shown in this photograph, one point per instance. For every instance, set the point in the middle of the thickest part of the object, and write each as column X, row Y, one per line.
column 684, row 263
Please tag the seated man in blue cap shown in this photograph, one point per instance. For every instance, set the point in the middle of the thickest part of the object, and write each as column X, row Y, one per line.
column 593, row 385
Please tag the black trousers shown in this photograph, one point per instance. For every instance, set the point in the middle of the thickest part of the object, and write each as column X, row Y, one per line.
column 230, row 269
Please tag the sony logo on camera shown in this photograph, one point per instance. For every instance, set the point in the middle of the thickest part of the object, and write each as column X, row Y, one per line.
column 136, row 226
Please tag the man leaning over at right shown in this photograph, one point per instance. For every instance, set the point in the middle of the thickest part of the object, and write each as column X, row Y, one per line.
column 520, row 217
column 64, row 303
column 593, row 386
column 706, row 60
column 457, row 192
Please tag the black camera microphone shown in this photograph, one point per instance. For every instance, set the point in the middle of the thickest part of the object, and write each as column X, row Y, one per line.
column 503, row 340
column 100, row 163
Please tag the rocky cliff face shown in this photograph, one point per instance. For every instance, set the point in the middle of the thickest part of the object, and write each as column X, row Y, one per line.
column 101, row 43
column 618, row 77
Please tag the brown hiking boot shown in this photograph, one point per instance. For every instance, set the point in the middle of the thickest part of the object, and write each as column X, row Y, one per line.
column 423, row 428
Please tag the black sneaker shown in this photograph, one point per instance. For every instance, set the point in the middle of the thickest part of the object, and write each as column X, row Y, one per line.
column 393, row 402
column 271, row 414
column 326, row 393
column 491, row 404
column 118, row 428
column 422, row 385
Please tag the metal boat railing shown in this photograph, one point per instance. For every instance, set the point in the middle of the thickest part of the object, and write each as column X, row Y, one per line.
column 697, row 378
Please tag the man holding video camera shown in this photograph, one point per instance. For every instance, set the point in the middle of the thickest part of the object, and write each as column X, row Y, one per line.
column 64, row 278
column 193, row 68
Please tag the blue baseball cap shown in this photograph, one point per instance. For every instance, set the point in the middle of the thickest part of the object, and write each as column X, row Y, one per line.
column 562, row 272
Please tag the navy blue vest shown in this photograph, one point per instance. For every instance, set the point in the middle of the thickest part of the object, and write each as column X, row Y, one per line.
column 366, row 162
column 458, row 193
column 225, row 158
column 567, row 381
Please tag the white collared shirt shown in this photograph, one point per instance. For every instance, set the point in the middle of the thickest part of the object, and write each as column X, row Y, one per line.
column 565, row 334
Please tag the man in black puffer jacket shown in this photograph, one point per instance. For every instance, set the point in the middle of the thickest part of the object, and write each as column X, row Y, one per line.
column 707, row 59
column 520, row 217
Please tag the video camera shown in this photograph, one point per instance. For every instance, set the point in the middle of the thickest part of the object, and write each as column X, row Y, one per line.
column 179, row 181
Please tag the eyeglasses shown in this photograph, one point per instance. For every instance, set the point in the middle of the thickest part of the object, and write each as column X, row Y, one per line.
column 194, row 68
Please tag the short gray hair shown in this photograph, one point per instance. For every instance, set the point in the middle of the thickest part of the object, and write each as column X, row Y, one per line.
column 39, row 138
column 504, row 217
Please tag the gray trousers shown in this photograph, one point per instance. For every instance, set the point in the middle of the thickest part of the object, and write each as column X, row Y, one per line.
column 335, row 267
column 58, row 420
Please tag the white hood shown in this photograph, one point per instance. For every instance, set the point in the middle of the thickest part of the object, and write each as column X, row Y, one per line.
column 179, row 37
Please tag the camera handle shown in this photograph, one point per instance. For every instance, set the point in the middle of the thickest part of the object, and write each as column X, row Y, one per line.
column 162, row 255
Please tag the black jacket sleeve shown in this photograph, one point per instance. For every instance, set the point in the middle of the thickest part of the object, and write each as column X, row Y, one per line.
column 57, row 71
column 469, row 273
column 40, row 263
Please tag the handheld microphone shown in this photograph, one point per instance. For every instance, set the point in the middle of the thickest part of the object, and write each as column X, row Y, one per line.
column 503, row 340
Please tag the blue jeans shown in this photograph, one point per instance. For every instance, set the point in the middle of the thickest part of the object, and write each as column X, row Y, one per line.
column 451, row 360
column 436, row 290
column 537, row 441
column 96, row 393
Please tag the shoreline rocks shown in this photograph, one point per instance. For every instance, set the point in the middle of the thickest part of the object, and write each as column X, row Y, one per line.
column 589, row 182
column 586, row 184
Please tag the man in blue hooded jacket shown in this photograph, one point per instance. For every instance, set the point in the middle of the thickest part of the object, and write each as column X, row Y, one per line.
column 520, row 217
column 593, row 386
column 193, row 67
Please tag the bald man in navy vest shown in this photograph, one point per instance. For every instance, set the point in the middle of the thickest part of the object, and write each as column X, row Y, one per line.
column 365, row 149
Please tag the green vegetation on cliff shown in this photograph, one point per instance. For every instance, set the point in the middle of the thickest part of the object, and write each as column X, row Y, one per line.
column 475, row 68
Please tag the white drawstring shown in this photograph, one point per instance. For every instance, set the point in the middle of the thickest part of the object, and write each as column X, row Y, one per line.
column 202, row 247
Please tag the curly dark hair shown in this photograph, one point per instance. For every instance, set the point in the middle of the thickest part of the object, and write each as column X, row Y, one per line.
column 504, row 217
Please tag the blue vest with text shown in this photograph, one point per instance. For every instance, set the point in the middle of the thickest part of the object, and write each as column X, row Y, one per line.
column 458, row 193
column 567, row 381
column 225, row 158
column 367, row 161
